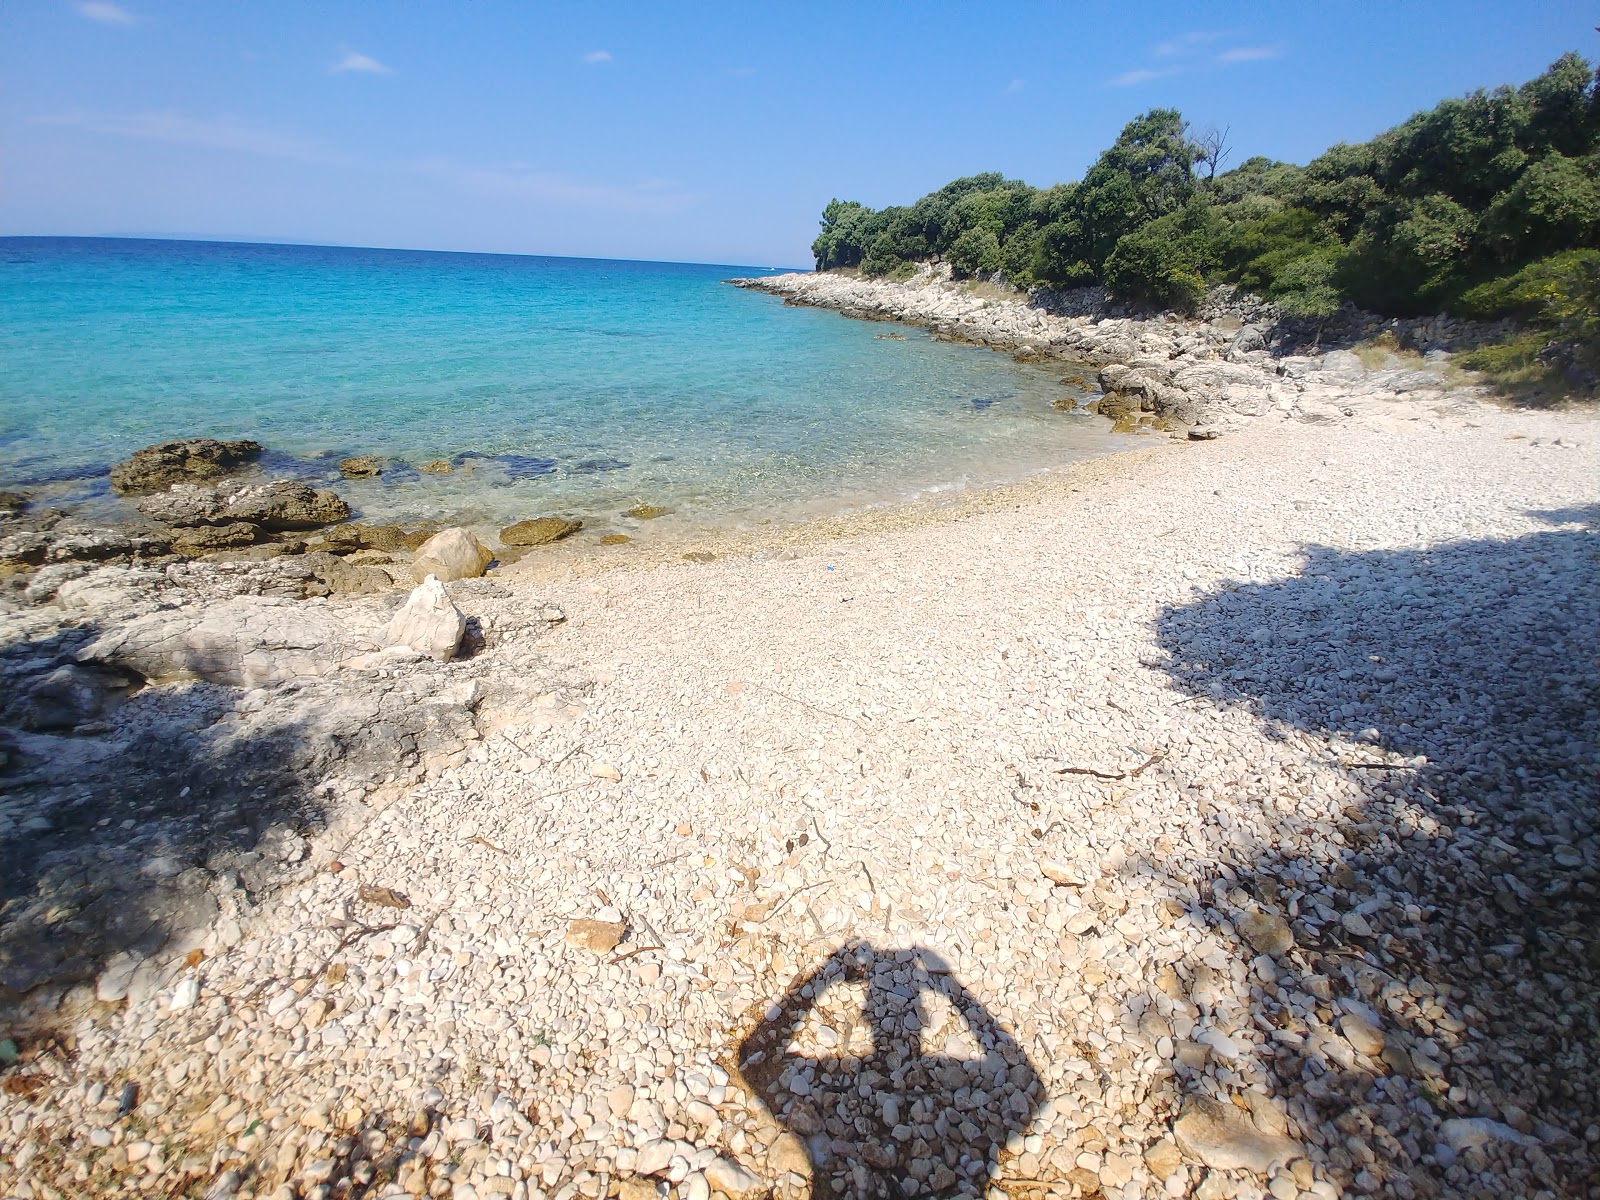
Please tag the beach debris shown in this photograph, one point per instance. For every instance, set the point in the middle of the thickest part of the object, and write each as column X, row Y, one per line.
column 540, row 531
column 605, row 770
column 187, row 460
column 598, row 937
column 364, row 466
column 451, row 554
column 428, row 622
column 371, row 893
column 646, row 512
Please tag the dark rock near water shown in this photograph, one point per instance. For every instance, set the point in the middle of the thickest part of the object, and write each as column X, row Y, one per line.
column 365, row 466
column 183, row 461
column 202, row 539
column 279, row 506
column 12, row 504
column 539, row 531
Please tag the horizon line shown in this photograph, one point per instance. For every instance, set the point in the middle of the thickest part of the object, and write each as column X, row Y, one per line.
column 209, row 239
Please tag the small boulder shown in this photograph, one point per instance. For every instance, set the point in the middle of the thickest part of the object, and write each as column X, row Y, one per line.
column 452, row 554
column 428, row 622
column 284, row 504
column 439, row 466
column 364, row 466
column 598, row 937
column 614, row 539
column 184, row 461
column 733, row 1179
column 1225, row 1139
column 1267, row 932
column 1204, row 433
column 12, row 504
column 646, row 512
column 539, row 531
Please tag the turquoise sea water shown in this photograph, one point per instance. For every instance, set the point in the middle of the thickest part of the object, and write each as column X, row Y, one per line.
column 575, row 386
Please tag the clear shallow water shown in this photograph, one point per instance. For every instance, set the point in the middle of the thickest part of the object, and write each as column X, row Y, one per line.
column 578, row 386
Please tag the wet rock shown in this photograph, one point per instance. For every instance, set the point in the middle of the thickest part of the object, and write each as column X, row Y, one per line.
column 190, row 459
column 646, row 512
column 451, row 554
column 614, row 539
column 428, row 622
column 539, row 531
column 364, row 466
column 12, row 504
column 439, row 466
column 1225, row 1139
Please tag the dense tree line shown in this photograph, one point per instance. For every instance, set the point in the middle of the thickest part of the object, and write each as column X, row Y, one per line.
column 1484, row 206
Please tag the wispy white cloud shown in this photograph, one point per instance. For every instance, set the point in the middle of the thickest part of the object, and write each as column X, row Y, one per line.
column 1015, row 86
column 519, row 181
column 1142, row 75
column 597, row 56
column 1241, row 54
column 364, row 63
column 105, row 12
column 214, row 133
column 1185, row 43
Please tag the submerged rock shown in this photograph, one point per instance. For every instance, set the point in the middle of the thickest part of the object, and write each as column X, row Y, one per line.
column 614, row 539
column 539, row 532
column 452, row 554
column 646, row 512
column 428, row 622
column 364, row 466
column 439, row 466
column 182, row 461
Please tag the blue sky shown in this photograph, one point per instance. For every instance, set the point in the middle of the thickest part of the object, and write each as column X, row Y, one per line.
column 709, row 132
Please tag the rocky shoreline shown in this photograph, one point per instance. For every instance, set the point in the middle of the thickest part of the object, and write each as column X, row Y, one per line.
column 1239, row 360
column 1212, row 821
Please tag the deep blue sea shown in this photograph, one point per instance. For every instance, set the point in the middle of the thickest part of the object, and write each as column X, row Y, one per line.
column 556, row 385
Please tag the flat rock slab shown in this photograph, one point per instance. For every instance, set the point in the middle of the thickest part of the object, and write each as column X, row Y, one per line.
column 539, row 532
column 599, row 937
column 1225, row 1139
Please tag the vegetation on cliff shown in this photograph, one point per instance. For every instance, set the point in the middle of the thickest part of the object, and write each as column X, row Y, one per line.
column 1484, row 206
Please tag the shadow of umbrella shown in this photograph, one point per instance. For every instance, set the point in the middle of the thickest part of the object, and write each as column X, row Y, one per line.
column 846, row 1061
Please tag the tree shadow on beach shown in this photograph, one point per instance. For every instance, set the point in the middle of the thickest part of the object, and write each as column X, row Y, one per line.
column 1455, row 694
column 894, row 1077
column 134, row 815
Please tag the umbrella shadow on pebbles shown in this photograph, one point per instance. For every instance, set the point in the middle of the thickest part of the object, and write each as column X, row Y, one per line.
column 892, row 1078
column 1444, row 968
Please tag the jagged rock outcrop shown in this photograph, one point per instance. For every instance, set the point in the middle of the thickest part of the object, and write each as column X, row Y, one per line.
column 280, row 505
column 428, row 622
column 181, row 461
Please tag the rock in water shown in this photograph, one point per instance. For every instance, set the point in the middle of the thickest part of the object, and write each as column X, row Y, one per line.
column 539, row 531
column 1225, row 1139
column 428, row 622
column 647, row 512
column 181, row 462
column 451, row 554
column 364, row 466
